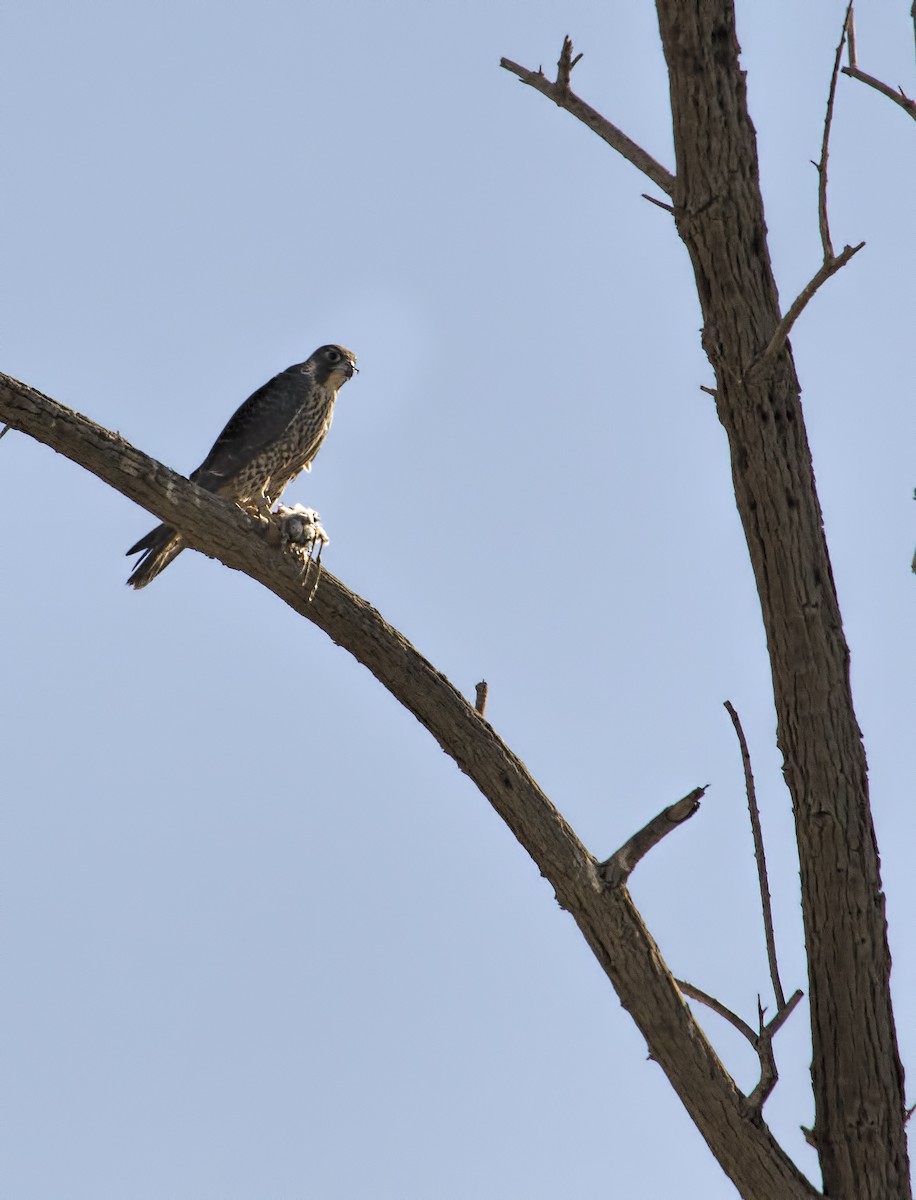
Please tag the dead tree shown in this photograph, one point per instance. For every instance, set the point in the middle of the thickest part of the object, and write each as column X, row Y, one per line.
column 714, row 197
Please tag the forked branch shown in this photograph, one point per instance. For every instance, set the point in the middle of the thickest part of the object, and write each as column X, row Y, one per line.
column 558, row 90
column 769, row 1075
column 762, row 1040
column 898, row 96
column 832, row 262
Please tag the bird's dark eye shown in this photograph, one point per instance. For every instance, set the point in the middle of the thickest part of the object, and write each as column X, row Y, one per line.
column 332, row 355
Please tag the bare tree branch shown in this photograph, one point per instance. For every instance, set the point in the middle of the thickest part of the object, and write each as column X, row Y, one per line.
column 825, row 144
column 832, row 262
column 481, row 701
column 565, row 64
column 782, row 330
column 769, row 1072
column 762, row 1040
column 769, row 1075
column 899, row 96
column 617, row 869
column 759, row 855
column 658, row 203
column 559, row 92
column 719, row 1009
column 784, row 1012
column 606, row 916
column 850, row 27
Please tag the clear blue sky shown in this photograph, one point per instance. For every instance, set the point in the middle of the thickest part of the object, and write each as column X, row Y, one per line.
column 261, row 938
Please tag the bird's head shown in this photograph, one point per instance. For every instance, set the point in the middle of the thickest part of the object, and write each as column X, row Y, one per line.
column 333, row 364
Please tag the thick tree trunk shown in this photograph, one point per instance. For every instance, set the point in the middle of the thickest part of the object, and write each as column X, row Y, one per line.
column 856, row 1070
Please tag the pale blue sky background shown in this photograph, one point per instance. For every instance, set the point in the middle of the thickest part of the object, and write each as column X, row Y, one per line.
column 261, row 938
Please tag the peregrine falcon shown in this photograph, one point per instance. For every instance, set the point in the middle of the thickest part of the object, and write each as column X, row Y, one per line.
column 273, row 436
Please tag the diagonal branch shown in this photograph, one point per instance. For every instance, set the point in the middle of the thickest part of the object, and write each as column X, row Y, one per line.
column 759, row 855
column 606, row 917
column 898, row 96
column 558, row 91
column 719, row 1009
column 617, row 869
column 781, row 332
column 658, row 203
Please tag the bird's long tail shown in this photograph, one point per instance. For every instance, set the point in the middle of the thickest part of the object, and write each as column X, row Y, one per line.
column 159, row 547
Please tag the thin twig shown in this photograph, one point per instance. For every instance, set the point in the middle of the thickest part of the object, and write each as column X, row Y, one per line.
column 616, row 870
column 481, row 702
column 851, row 35
column 709, row 391
column 560, row 93
column 784, row 1012
column 659, row 203
column 781, row 332
column 822, row 165
column 760, row 856
column 718, row 1007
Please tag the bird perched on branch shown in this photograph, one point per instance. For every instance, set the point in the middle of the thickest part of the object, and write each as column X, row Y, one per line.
column 273, row 436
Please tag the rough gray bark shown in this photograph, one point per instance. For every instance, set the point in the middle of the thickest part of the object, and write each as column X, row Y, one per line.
column 856, row 1071
column 857, row 1076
